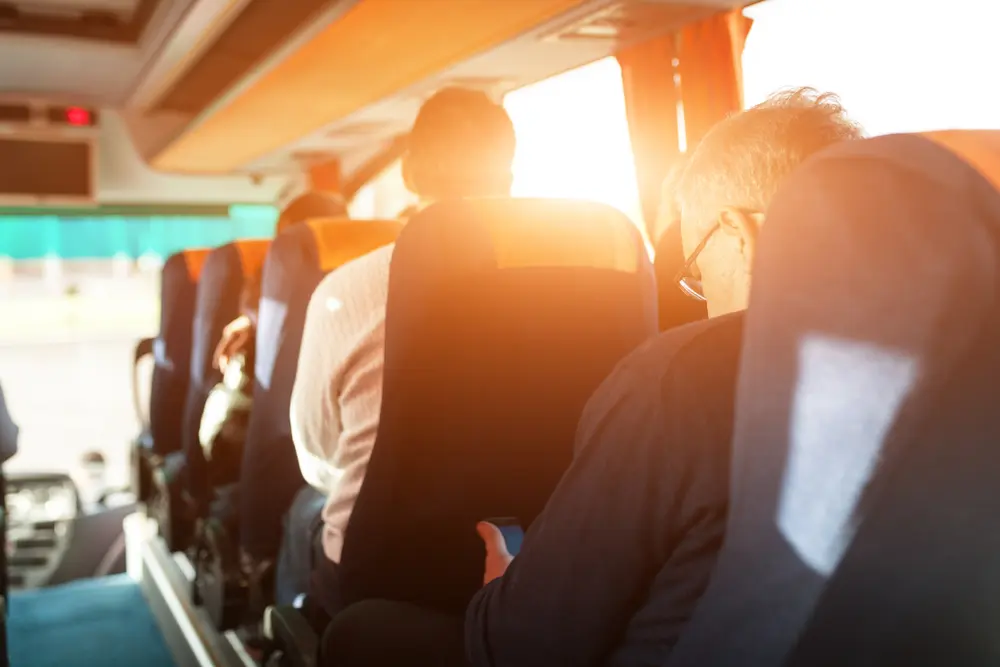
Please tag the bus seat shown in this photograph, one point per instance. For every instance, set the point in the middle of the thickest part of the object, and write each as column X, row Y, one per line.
column 931, row 542
column 269, row 477
column 503, row 316
column 865, row 520
column 226, row 269
column 172, row 348
column 171, row 352
column 216, row 304
column 299, row 260
column 676, row 308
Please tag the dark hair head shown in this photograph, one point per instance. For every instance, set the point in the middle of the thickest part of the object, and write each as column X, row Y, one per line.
column 308, row 206
column 742, row 160
column 461, row 145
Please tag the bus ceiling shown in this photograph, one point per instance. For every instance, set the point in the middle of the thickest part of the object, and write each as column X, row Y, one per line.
column 254, row 87
column 350, row 77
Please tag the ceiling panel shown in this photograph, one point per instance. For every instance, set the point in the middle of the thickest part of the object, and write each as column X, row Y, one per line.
column 375, row 49
column 100, row 20
column 260, row 29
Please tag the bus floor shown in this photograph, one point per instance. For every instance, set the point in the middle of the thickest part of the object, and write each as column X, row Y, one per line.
column 91, row 622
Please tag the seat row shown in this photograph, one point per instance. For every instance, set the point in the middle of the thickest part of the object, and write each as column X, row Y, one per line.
column 503, row 316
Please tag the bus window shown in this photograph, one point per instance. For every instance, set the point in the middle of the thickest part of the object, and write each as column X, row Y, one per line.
column 382, row 197
column 897, row 67
column 76, row 292
column 572, row 142
column 573, row 139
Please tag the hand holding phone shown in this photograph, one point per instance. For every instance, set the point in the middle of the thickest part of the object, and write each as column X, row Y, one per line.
column 513, row 534
column 502, row 538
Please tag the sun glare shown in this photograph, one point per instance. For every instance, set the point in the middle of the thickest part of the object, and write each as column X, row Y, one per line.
column 898, row 66
column 572, row 143
column 573, row 140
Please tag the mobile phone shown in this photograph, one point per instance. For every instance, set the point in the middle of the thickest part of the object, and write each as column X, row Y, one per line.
column 510, row 528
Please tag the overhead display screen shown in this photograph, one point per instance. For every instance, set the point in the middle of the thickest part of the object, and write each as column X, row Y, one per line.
column 52, row 169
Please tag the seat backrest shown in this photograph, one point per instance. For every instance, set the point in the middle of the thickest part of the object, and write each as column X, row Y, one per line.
column 217, row 304
column 503, row 316
column 676, row 308
column 172, row 348
column 865, row 510
column 926, row 558
column 297, row 261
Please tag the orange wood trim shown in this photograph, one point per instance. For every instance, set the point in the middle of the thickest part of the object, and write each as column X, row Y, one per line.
column 377, row 48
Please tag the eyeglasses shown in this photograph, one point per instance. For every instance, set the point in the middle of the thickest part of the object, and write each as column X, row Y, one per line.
column 686, row 279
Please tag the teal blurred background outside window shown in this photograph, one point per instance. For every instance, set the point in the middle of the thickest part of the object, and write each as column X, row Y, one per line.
column 108, row 235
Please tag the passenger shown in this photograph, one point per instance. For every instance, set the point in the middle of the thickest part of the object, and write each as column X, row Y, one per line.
column 612, row 569
column 461, row 145
column 239, row 334
column 226, row 415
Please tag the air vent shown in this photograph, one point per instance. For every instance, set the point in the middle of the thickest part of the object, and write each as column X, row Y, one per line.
column 21, row 560
column 103, row 20
column 15, row 113
column 630, row 22
column 35, row 543
column 34, row 553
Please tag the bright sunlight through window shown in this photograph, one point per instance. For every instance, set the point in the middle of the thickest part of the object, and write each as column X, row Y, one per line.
column 572, row 143
column 573, row 140
column 898, row 66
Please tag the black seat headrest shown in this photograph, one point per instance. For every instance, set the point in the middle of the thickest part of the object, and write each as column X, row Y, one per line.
column 503, row 316
column 298, row 260
column 172, row 348
column 223, row 274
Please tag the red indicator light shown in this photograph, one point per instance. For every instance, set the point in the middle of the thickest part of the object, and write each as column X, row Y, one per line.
column 77, row 116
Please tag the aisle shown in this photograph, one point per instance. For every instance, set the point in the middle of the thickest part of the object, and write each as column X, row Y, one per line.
column 85, row 624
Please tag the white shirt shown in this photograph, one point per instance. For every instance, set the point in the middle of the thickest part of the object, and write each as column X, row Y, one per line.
column 338, row 386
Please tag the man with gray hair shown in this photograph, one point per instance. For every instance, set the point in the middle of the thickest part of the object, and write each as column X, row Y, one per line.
column 612, row 569
column 731, row 178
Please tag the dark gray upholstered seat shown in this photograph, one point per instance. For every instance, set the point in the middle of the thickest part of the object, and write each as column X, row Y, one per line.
column 503, row 317
column 864, row 526
column 298, row 259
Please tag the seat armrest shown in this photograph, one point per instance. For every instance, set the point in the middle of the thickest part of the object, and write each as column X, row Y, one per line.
column 292, row 636
column 142, row 348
